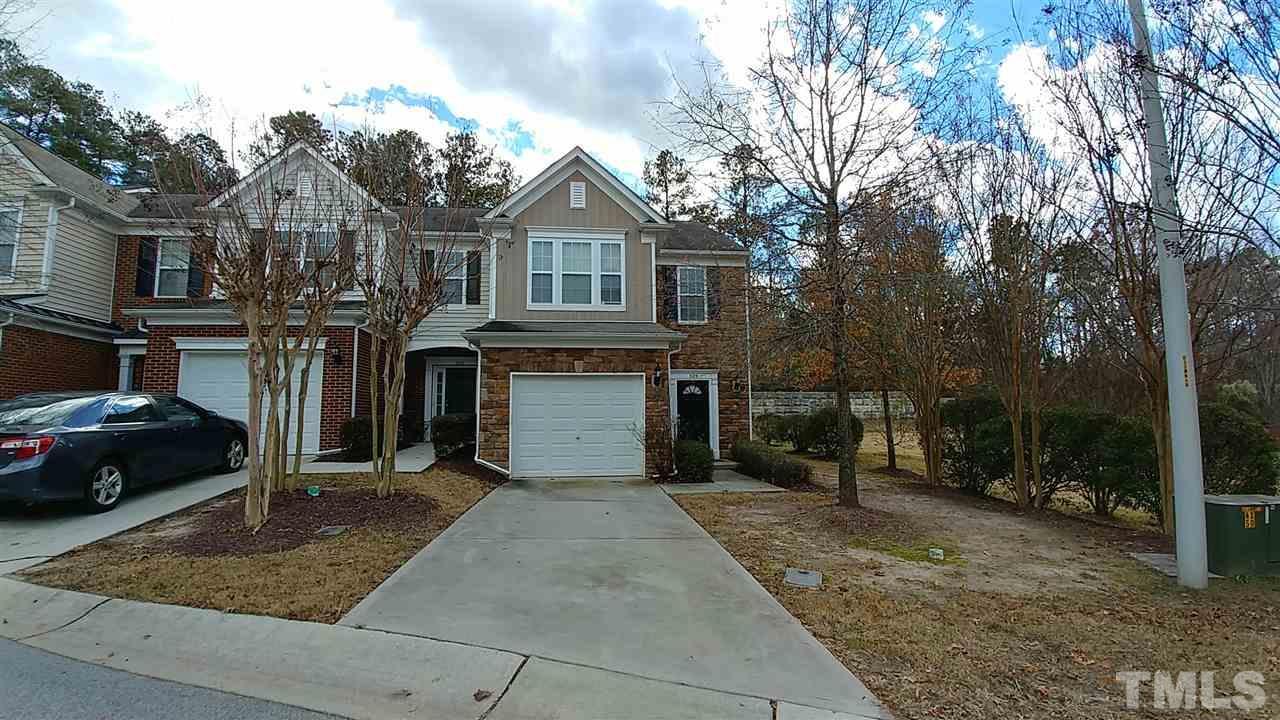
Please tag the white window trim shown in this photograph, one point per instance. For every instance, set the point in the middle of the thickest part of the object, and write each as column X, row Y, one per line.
column 680, row 296
column 12, row 274
column 557, row 238
column 462, row 270
column 159, row 267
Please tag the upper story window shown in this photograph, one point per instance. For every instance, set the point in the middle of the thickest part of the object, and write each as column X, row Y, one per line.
column 10, row 221
column 455, row 276
column 173, row 267
column 458, row 269
column 576, row 271
column 691, row 294
column 318, row 251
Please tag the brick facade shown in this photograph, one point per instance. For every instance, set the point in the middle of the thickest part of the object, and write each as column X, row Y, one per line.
column 127, row 283
column 160, row 370
column 720, row 344
column 496, row 366
column 34, row 360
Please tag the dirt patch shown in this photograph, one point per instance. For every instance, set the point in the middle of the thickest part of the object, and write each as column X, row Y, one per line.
column 1034, row 623
column 289, row 571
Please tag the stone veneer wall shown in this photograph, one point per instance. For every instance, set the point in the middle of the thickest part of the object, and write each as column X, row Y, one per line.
column 866, row 404
column 496, row 366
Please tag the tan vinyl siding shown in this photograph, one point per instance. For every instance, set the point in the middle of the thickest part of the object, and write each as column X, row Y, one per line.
column 84, row 262
column 444, row 327
column 15, row 189
column 552, row 210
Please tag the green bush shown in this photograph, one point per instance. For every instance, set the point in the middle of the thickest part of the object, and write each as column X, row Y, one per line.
column 356, row 437
column 974, row 461
column 772, row 429
column 822, row 431
column 795, row 430
column 452, row 431
column 694, row 461
column 1239, row 454
column 764, row 463
column 1130, row 473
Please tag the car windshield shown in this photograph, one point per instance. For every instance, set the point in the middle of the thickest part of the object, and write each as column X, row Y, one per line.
column 41, row 410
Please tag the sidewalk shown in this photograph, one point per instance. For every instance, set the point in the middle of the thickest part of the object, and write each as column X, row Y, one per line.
column 355, row 673
column 412, row 459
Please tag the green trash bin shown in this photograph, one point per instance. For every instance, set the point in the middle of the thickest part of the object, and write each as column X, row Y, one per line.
column 1242, row 540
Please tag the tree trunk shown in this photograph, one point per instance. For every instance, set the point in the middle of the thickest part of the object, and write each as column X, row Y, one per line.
column 375, row 396
column 892, row 460
column 1020, row 491
column 1164, row 454
column 847, row 492
column 257, row 494
column 296, row 473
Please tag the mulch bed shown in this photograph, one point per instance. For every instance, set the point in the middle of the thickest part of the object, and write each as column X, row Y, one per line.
column 461, row 462
column 295, row 518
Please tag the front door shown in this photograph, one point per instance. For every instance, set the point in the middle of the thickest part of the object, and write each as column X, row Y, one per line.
column 693, row 410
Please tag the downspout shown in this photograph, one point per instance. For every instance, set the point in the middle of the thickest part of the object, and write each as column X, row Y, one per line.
column 50, row 238
column 4, row 324
column 479, row 383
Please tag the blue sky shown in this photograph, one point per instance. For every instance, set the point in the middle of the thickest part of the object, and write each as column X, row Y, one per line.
column 573, row 72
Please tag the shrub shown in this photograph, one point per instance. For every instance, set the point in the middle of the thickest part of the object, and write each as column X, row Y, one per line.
column 764, row 463
column 823, row 430
column 772, row 429
column 453, row 431
column 356, row 437
column 795, row 431
column 1130, row 471
column 1239, row 454
column 694, row 461
column 974, row 461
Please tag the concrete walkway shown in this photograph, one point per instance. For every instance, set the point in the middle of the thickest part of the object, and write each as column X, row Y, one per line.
column 723, row 480
column 622, row 605
column 31, row 535
column 412, row 459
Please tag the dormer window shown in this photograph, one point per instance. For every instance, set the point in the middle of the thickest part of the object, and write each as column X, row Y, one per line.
column 577, row 195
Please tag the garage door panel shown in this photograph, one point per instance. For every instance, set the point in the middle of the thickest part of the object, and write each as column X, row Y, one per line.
column 219, row 380
column 577, row 425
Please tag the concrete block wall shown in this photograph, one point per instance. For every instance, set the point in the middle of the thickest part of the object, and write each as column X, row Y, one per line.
column 866, row 403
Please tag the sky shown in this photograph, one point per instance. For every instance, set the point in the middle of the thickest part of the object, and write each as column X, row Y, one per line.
column 532, row 78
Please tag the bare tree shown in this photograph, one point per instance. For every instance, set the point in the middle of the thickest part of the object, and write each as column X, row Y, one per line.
column 834, row 109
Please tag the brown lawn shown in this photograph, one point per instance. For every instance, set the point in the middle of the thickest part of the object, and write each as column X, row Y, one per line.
column 1028, row 616
column 203, row 556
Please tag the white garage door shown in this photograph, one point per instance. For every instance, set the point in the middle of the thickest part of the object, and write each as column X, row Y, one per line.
column 577, row 425
column 219, row 380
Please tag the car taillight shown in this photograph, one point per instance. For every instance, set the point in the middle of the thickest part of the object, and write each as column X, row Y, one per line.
column 24, row 448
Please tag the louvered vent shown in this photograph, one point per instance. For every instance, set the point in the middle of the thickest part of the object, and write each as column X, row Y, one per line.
column 306, row 184
column 577, row 196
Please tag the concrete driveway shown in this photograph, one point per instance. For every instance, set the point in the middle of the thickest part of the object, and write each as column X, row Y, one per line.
column 31, row 535
column 622, row 606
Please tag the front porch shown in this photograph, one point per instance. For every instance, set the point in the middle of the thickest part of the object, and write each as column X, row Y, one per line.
column 440, row 381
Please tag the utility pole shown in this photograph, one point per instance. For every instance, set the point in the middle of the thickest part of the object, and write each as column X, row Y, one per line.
column 1184, row 409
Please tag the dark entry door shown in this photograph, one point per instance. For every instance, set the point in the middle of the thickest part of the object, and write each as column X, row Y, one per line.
column 460, row 390
column 693, row 410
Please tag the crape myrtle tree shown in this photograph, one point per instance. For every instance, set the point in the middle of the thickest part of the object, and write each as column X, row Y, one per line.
column 1007, row 198
column 833, row 108
column 405, row 258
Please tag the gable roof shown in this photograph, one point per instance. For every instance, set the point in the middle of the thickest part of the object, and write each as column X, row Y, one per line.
column 282, row 156
column 577, row 159
column 61, row 174
column 688, row 235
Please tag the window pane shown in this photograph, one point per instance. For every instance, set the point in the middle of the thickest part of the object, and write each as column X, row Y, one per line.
column 174, row 253
column 6, row 259
column 543, row 257
column 575, row 257
column 320, row 243
column 611, row 289
column 453, row 291
column 131, row 409
column 693, row 308
column 575, row 289
column 172, row 282
column 610, row 258
column 9, row 226
column 175, row 410
column 692, row 280
column 541, row 287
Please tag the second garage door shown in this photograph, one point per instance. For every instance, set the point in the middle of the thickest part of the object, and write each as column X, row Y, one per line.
column 577, row 425
column 219, row 380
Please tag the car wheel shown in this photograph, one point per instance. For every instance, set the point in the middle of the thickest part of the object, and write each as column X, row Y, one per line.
column 233, row 455
column 106, row 486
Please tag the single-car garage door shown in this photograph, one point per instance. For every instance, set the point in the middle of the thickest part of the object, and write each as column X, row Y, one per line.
column 577, row 425
column 219, row 380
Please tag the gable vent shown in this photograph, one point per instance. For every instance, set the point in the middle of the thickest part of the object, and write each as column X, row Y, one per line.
column 306, row 184
column 577, row 196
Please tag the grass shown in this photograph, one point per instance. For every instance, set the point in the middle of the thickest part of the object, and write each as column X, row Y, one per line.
column 1034, row 621
column 319, row 580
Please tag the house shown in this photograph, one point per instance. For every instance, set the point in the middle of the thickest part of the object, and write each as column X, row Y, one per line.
column 584, row 330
